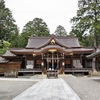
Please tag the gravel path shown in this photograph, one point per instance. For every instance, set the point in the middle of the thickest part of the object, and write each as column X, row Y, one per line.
column 87, row 88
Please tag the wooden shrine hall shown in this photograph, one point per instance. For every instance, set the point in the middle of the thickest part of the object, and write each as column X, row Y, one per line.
column 62, row 53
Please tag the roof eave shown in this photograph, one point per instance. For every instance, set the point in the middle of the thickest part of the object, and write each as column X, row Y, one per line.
column 93, row 55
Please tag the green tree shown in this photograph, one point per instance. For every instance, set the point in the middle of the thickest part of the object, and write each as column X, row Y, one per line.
column 36, row 27
column 7, row 22
column 14, row 40
column 87, row 21
column 60, row 31
column 23, row 39
column 4, row 45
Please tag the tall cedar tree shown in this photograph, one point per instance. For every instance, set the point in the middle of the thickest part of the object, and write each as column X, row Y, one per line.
column 36, row 27
column 7, row 23
column 86, row 25
column 60, row 31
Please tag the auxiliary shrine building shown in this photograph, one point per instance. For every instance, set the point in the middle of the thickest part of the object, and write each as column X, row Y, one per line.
column 48, row 53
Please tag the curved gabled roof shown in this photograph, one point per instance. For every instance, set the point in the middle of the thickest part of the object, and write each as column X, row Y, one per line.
column 36, row 42
column 94, row 55
column 3, row 60
column 39, row 42
column 66, row 51
column 8, row 54
column 51, row 47
column 82, row 50
column 43, row 50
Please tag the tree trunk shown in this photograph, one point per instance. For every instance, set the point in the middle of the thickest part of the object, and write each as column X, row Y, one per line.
column 95, row 46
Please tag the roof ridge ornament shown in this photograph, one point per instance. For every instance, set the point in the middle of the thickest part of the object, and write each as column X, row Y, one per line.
column 53, row 41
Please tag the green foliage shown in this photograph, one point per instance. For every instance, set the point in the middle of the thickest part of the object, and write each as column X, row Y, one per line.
column 2, row 51
column 1, row 44
column 87, row 21
column 14, row 40
column 6, row 44
column 60, row 31
column 23, row 39
column 7, row 26
column 37, row 27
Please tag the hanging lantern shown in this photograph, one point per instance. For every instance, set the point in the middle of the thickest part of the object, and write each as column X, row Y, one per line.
column 34, row 54
column 63, row 63
column 42, row 64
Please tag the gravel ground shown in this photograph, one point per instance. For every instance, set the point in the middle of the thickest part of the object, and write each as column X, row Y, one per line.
column 10, row 88
column 87, row 88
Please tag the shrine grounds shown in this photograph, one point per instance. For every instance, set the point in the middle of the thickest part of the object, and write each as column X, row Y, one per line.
column 87, row 88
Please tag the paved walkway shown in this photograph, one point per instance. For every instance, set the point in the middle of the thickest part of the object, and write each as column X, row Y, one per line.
column 49, row 89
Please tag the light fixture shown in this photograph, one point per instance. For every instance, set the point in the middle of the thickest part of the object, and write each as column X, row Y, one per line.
column 42, row 63
column 52, row 50
column 71, row 53
column 34, row 54
column 63, row 63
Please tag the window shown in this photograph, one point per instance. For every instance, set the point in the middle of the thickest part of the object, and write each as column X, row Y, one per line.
column 30, row 64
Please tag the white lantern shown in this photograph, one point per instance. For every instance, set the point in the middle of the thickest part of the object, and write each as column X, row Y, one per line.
column 42, row 63
column 63, row 63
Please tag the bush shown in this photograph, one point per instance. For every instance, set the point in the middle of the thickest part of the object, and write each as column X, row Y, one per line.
column 2, row 51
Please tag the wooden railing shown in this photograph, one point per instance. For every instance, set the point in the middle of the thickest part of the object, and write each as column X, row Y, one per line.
column 77, row 69
column 65, row 70
column 30, row 70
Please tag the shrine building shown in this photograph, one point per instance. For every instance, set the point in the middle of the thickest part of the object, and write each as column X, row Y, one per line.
column 62, row 53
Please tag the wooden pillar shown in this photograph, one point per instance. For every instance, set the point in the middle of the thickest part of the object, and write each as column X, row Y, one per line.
column 52, row 62
column 63, row 67
column 85, row 63
column 25, row 61
column 47, row 61
column 42, row 67
column 34, row 63
column 57, row 61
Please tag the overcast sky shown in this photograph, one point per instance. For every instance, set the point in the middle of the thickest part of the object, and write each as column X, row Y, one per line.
column 53, row 12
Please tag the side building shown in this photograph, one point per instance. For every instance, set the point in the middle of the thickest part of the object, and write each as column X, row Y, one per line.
column 49, row 53
column 95, row 56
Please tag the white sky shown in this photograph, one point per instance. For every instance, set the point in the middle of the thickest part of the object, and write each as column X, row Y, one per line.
column 53, row 12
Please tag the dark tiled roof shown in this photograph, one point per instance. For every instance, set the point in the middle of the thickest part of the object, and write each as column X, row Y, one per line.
column 94, row 55
column 57, row 47
column 8, row 54
column 82, row 50
column 38, row 45
column 36, row 42
column 22, row 51
column 43, row 50
column 3, row 60
column 68, row 41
